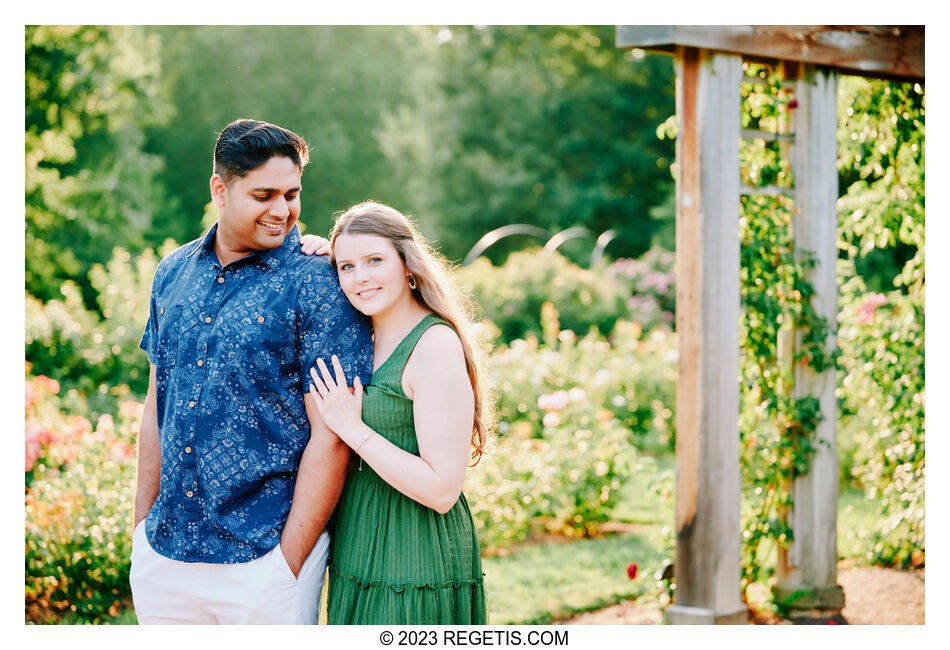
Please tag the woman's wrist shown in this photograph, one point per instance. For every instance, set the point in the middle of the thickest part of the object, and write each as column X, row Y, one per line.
column 357, row 436
column 362, row 443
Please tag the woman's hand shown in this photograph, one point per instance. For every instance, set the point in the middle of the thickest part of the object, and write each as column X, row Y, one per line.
column 341, row 410
column 314, row 245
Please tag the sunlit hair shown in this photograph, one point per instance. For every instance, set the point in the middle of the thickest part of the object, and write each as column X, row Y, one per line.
column 244, row 145
column 435, row 289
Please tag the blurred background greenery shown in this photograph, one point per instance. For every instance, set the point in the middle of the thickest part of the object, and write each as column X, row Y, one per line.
column 467, row 129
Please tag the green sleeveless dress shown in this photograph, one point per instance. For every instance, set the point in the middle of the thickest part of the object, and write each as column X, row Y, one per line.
column 394, row 561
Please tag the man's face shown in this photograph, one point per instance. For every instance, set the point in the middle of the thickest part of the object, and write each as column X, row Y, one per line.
column 256, row 211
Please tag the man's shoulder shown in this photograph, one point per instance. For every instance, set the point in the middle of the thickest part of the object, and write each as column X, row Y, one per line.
column 171, row 263
column 180, row 254
column 314, row 270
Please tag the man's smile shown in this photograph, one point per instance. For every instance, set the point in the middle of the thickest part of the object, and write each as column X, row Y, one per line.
column 274, row 227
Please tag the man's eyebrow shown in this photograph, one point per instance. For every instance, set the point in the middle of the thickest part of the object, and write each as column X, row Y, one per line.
column 271, row 190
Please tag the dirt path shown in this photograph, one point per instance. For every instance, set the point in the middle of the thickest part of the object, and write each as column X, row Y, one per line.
column 872, row 596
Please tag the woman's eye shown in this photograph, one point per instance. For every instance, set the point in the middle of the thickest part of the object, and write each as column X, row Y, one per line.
column 346, row 267
column 376, row 259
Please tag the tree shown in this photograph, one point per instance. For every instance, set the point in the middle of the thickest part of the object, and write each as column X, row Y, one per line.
column 552, row 126
column 90, row 91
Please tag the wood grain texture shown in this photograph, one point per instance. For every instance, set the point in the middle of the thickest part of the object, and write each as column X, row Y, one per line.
column 889, row 51
column 707, row 313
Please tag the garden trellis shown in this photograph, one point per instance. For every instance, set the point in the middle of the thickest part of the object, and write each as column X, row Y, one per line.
column 709, row 65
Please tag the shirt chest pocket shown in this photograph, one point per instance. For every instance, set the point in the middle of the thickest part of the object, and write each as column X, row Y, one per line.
column 169, row 334
column 272, row 350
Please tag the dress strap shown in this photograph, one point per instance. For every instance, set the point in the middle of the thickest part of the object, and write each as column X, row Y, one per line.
column 408, row 344
column 391, row 371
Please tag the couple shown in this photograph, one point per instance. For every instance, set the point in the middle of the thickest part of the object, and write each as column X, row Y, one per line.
column 270, row 368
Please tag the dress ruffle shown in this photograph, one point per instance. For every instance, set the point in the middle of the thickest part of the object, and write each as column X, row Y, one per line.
column 375, row 602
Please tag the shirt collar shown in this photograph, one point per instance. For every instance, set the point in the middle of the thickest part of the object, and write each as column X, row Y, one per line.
column 272, row 257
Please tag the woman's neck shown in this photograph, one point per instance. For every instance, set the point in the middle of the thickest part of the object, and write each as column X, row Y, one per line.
column 399, row 320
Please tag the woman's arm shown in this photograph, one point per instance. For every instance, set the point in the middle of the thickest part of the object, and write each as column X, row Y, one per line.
column 443, row 406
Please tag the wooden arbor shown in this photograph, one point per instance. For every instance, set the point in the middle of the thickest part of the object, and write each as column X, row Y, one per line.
column 708, row 76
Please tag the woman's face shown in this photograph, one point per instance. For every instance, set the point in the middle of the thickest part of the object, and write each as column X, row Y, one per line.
column 372, row 275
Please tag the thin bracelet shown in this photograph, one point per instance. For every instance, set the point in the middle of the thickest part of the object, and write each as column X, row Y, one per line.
column 360, row 446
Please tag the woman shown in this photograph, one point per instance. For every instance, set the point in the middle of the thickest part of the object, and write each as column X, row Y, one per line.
column 403, row 549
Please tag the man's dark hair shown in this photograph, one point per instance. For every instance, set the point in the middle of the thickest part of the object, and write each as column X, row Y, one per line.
column 245, row 145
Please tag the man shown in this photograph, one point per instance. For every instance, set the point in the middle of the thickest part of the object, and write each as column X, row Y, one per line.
column 237, row 474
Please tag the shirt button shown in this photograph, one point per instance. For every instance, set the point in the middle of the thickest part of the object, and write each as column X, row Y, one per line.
column 187, row 450
column 260, row 319
column 220, row 280
column 189, row 494
column 200, row 362
column 191, row 404
column 207, row 319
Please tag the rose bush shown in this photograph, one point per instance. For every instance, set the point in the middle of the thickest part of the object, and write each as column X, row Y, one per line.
column 565, row 481
column 511, row 295
column 881, row 393
column 572, row 415
column 79, row 495
column 632, row 375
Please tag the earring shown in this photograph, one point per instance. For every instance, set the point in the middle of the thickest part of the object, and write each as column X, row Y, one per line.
column 412, row 281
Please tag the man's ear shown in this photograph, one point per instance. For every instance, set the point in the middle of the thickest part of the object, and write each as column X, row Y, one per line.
column 219, row 190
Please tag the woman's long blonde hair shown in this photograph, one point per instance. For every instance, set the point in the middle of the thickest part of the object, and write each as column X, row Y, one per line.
column 434, row 288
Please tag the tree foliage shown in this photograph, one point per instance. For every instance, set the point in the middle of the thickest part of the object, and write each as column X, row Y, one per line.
column 90, row 93
column 881, row 164
column 552, row 126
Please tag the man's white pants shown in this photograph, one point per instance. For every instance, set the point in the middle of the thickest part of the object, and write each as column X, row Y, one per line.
column 262, row 591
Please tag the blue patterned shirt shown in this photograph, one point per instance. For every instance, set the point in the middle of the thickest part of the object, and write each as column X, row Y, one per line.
column 232, row 348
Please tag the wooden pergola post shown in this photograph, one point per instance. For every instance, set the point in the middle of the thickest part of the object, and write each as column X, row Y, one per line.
column 807, row 570
column 709, row 71
column 707, row 325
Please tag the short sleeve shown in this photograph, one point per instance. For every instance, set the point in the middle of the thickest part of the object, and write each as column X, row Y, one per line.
column 149, row 342
column 330, row 325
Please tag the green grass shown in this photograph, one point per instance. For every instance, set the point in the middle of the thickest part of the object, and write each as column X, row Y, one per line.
column 857, row 517
column 646, row 498
column 541, row 582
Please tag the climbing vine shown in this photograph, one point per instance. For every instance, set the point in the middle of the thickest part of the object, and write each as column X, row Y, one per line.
column 776, row 429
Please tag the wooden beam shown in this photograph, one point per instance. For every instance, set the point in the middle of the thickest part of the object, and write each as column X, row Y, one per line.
column 767, row 190
column 707, row 324
column 807, row 570
column 888, row 51
column 770, row 136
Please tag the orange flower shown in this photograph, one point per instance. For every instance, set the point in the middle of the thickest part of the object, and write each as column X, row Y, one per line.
column 45, row 383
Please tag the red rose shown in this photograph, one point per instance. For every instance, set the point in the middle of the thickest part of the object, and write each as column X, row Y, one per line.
column 793, row 103
column 632, row 570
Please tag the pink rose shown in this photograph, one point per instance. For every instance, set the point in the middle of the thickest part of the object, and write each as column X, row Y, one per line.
column 866, row 310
